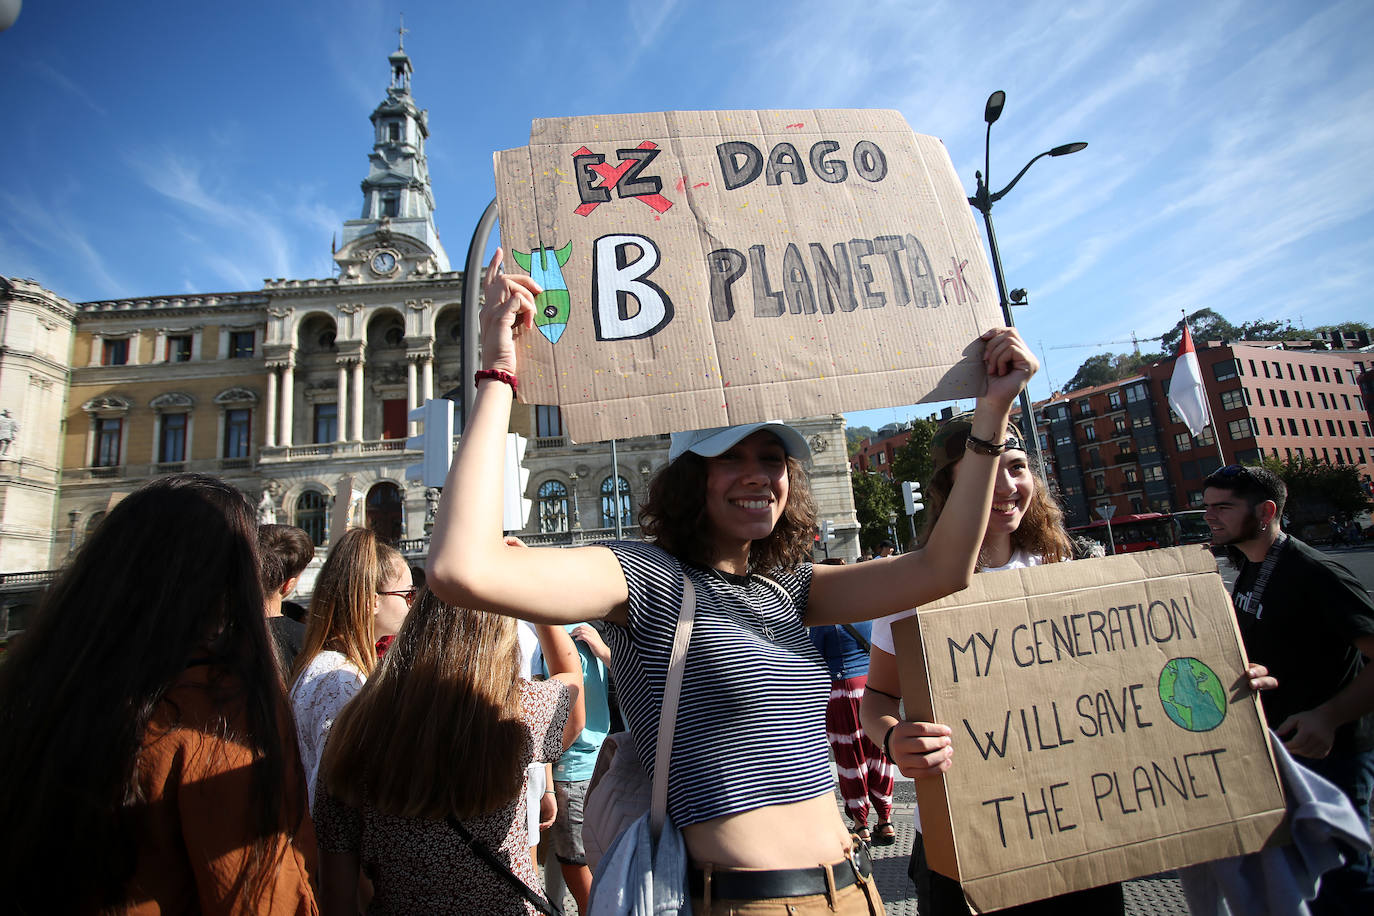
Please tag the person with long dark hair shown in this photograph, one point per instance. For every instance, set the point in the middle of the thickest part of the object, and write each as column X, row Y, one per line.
column 436, row 745
column 751, row 787
column 148, row 763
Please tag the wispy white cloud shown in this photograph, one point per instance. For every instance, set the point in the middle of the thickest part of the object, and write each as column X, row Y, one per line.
column 57, row 249
column 68, row 85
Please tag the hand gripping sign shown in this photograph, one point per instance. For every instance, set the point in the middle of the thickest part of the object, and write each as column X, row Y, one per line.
column 710, row 268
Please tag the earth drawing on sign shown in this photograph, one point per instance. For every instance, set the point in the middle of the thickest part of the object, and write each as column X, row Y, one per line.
column 1192, row 695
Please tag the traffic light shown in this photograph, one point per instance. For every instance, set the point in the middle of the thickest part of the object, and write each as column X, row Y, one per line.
column 435, row 440
column 911, row 496
column 827, row 532
column 515, row 508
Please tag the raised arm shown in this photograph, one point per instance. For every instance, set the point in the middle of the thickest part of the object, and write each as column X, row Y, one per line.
column 469, row 562
column 844, row 594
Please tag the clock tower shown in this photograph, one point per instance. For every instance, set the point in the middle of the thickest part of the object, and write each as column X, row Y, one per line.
column 395, row 238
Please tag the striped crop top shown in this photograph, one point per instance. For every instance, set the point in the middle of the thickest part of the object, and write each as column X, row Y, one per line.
column 751, row 721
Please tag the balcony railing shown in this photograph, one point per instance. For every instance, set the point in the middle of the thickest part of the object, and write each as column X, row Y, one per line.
column 318, row 450
column 419, row 547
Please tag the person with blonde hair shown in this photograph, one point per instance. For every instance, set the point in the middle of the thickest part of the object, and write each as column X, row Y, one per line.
column 363, row 592
column 422, row 782
column 751, row 787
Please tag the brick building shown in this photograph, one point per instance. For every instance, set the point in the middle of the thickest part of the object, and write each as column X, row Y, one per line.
column 1120, row 444
column 876, row 452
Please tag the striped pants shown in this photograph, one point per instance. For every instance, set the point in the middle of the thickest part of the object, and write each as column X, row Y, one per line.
column 865, row 774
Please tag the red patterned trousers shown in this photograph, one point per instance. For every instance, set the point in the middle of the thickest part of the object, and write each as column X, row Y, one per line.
column 865, row 774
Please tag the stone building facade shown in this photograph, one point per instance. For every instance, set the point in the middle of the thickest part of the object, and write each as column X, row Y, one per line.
column 288, row 390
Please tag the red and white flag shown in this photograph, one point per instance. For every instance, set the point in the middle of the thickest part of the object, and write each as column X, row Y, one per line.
column 1186, row 395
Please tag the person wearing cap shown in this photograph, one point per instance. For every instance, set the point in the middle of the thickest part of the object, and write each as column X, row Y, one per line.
column 751, row 787
column 1025, row 527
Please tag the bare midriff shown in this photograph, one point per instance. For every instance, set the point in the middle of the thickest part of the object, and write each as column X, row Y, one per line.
column 795, row 835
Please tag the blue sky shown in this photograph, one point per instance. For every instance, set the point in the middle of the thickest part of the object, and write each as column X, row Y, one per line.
column 162, row 147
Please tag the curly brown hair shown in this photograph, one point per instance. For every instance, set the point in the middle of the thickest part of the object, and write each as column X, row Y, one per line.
column 674, row 517
column 1042, row 527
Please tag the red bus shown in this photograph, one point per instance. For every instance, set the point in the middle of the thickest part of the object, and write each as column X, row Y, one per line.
column 1130, row 533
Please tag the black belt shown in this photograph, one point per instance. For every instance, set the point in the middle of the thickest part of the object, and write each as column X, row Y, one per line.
column 782, row 882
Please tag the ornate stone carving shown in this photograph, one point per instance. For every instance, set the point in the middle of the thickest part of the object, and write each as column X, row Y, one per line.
column 172, row 400
column 107, row 403
column 9, row 431
column 233, row 397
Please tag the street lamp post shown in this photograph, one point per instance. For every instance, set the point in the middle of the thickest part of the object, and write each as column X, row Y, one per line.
column 982, row 201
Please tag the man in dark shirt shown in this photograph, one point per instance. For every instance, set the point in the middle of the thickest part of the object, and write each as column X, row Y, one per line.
column 1311, row 622
column 286, row 550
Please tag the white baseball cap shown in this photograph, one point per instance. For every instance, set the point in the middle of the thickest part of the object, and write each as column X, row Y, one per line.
column 708, row 443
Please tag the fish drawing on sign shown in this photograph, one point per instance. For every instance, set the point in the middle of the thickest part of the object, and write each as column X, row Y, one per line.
column 544, row 265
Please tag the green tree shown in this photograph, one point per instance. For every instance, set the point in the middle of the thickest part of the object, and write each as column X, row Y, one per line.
column 1205, row 325
column 854, row 437
column 1096, row 370
column 1318, row 490
column 1109, row 367
column 875, row 499
column 1270, row 329
column 912, row 461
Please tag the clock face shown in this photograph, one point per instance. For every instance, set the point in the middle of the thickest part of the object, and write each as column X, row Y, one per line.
column 383, row 262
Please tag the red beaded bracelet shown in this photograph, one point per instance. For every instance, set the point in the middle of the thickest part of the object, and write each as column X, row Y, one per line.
column 499, row 375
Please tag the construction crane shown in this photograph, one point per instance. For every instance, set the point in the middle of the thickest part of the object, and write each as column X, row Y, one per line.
column 1134, row 340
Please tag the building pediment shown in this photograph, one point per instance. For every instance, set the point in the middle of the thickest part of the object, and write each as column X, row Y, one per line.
column 172, row 400
column 108, row 403
column 236, row 397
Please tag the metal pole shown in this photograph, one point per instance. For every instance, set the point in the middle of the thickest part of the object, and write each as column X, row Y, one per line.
column 1110, row 539
column 1027, row 415
column 615, row 485
column 472, row 290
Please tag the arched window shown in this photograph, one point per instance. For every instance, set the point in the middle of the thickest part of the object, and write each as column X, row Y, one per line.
column 384, row 506
column 553, row 506
column 609, row 501
column 310, row 516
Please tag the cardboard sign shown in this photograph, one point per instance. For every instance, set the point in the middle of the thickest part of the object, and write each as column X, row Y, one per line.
column 710, row 268
column 1103, row 729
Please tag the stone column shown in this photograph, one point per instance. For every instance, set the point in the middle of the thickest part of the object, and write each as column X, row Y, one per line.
column 411, row 426
column 427, row 379
column 271, row 424
column 341, row 408
column 357, row 405
column 288, row 390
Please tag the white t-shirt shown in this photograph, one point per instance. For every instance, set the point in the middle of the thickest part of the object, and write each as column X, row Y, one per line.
column 534, row 786
column 318, row 696
column 882, row 627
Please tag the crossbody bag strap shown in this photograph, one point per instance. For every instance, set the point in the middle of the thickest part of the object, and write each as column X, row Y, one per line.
column 858, row 637
column 481, row 851
column 672, row 692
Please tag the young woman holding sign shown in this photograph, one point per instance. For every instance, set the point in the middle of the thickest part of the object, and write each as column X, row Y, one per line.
column 750, row 787
column 1025, row 528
